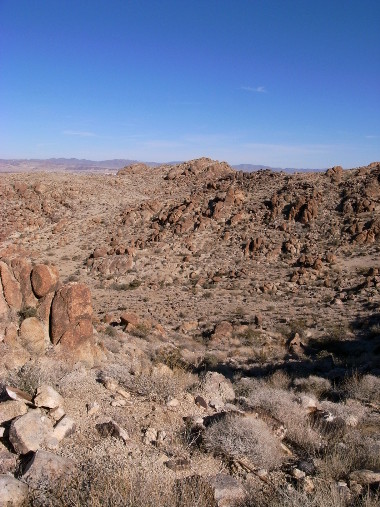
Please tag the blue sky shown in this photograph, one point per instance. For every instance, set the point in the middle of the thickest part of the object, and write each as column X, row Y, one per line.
column 289, row 83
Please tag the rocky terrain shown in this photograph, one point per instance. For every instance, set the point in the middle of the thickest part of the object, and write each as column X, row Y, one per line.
column 190, row 334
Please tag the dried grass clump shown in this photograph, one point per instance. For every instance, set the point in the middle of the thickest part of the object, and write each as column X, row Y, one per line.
column 313, row 384
column 238, row 437
column 283, row 406
column 161, row 386
column 137, row 487
column 354, row 453
column 364, row 388
column 325, row 494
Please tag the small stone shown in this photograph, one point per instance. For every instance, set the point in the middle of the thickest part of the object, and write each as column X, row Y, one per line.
column 48, row 397
column 201, row 402
column 64, row 428
column 172, row 403
column 150, row 435
column 13, row 492
column 118, row 403
column 111, row 428
column 93, row 408
column 298, row 474
column 262, row 474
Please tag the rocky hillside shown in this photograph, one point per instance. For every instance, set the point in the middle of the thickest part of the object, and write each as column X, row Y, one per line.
column 213, row 331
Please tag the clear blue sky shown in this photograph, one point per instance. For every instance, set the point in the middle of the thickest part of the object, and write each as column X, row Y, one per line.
column 291, row 83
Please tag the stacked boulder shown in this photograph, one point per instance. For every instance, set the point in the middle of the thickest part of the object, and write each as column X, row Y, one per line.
column 37, row 312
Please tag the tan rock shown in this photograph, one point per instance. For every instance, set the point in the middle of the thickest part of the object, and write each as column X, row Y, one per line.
column 64, row 428
column 46, row 466
column 17, row 394
column 44, row 279
column 11, row 409
column 28, row 432
column 48, row 397
column 13, row 492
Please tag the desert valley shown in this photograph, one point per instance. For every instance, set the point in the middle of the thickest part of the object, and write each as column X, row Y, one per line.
column 190, row 335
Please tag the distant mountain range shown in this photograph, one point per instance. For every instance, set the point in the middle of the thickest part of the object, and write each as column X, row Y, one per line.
column 84, row 165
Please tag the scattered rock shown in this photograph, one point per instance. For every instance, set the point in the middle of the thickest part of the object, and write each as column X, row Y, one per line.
column 365, row 477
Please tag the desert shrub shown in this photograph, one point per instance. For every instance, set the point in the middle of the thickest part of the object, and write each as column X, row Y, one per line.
column 160, row 385
column 354, row 453
column 325, row 494
column 279, row 380
column 110, row 331
column 140, row 330
column 170, row 356
column 240, row 437
column 363, row 388
column 27, row 312
column 283, row 405
column 138, row 487
column 313, row 384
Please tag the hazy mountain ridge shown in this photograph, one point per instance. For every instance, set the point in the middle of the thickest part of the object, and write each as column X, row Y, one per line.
column 75, row 164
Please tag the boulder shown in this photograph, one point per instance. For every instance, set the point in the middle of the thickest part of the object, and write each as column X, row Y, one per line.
column 11, row 409
column 11, row 288
column 28, row 432
column 217, row 390
column 47, row 467
column 22, row 269
column 71, row 315
column 44, row 279
column 13, row 492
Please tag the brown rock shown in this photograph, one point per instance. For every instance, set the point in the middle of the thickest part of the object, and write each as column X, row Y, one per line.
column 44, row 279
column 222, row 330
column 71, row 315
column 11, row 288
column 129, row 318
column 21, row 269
